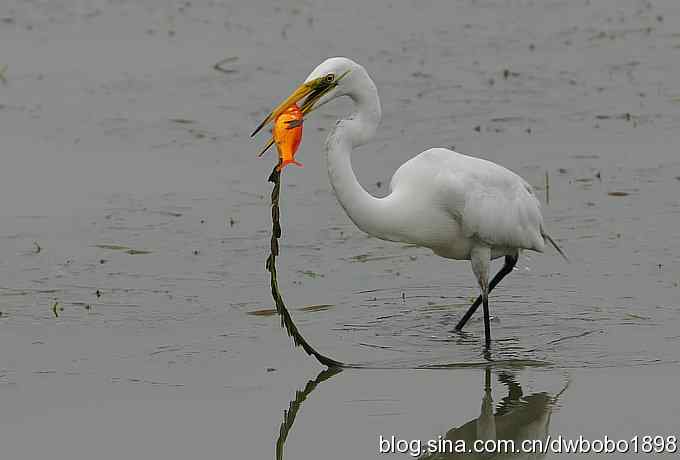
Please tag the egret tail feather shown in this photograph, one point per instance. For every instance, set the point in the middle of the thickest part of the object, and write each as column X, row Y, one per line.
column 554, row 245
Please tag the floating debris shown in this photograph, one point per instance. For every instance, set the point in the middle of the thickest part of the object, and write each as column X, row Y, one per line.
column 317, row 307
column 3, row 69
column 37, row 247
column 634, row 316
column 372, row 345
column 307, row 308
column 370, row 258
column 56, row 309
column 113, row 247
column 183, row 121
column 618, row 194
column 219, row 66
column 198, row 134
column 133, row 252
column 127, row 250
column 311, row 274
column 624, row 116
column 263, row 312
column 509, row 119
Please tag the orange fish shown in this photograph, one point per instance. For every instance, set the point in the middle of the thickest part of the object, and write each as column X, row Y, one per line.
column 288, row 135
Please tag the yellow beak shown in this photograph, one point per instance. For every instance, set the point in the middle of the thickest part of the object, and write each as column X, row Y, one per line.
column 302, row 91
column 313, row 90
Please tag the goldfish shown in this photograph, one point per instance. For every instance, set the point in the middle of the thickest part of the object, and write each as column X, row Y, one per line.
column 288, row 135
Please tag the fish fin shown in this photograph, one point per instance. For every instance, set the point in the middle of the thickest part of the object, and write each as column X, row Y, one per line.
column 291, row 124
column 284, row 163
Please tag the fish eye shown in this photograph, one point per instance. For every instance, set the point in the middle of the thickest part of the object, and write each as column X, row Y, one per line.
column 329, row 78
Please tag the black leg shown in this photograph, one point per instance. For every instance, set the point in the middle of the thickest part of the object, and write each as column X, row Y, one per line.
column 487, row 319
column 510, row 262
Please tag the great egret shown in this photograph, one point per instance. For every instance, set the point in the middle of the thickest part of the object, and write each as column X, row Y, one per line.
column 460, row 207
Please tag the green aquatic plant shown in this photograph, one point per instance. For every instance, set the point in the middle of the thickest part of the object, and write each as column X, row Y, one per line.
column 286, row 320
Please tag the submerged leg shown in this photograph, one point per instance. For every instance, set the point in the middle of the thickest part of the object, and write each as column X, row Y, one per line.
column 487, row 317
column 509, row 264
column 480, row 256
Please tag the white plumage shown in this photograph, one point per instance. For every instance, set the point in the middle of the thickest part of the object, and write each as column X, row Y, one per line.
column 459, row 206
column 483, row 202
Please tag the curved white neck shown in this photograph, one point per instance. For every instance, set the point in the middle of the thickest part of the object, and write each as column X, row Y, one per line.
column 372, row 215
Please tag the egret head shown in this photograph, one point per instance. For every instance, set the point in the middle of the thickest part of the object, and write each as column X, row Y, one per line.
column 324, row 84
column 338, row 73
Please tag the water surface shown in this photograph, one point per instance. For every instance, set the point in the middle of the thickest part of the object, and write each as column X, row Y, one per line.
column 131, row 197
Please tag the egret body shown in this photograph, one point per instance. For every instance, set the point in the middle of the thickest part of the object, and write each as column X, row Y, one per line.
column 461, row 207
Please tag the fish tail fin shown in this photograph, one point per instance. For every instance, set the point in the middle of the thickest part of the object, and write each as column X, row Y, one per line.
column 285, row 163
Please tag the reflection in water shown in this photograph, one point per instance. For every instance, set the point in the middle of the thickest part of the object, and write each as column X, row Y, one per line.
column 517, row 418
column 290, row 414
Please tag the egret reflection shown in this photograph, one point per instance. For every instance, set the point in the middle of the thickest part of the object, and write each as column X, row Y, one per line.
column 518, row 418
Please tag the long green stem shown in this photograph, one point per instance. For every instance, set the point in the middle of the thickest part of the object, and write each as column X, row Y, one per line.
column 286, row 320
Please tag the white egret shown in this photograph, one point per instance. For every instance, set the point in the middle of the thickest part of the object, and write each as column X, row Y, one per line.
column 461, row 207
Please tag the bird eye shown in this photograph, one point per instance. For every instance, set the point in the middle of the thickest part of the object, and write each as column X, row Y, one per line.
column 329, row 78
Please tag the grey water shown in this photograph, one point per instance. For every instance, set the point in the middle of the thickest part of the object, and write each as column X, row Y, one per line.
column 135, row 313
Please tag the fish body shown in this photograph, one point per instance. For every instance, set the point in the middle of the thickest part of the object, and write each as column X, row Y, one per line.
column 288, row 135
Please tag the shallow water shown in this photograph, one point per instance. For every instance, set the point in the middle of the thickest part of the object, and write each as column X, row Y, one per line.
column 131, row 195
